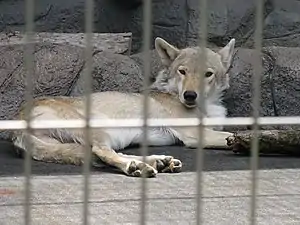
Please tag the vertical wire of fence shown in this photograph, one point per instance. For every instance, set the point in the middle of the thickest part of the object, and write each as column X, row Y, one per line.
column 200, row 155
column 29, row 85
column 147, row 10
column 89, row 17
column 256, row 105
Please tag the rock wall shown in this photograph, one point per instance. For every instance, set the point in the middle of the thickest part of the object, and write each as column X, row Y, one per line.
column 60, row 71
column 60, row 64
column 177, row 21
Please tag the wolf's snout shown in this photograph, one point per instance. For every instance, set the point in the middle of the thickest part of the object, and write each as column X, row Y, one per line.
column 190, row 96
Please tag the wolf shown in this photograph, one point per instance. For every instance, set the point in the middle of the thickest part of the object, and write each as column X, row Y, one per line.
column 174, row 94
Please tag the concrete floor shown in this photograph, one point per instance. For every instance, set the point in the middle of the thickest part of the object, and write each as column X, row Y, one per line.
column 57, row 192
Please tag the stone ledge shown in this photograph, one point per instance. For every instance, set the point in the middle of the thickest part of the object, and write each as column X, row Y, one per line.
column 109, row 42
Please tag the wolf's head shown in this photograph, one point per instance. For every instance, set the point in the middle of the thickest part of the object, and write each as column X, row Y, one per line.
column 183, row 71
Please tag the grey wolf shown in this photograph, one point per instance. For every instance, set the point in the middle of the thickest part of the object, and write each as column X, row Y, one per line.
column 174, row 94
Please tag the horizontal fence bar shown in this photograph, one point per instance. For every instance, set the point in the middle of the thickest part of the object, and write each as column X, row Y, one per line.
column 174, row 122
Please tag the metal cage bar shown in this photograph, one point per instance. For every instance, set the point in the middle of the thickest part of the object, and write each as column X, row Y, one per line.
column 256, row 106
column 200, row 155
column 201, row 122
column 89, row 17
column 147, row 10
column 29, row 68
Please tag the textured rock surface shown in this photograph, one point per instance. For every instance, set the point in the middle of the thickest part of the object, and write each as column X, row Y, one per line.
column 281, row 24
column 177, row 20
column 50, row 15
column 60, row 71
column 57, row 67
column 286, row 80
column 116, row 43
column 238, row 97
column 112, row 72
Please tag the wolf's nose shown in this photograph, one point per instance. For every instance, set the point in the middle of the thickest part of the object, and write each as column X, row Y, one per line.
column 190, row 96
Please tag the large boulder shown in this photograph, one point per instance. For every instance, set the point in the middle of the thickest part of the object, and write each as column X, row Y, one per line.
column 238, row 98
column 280, row 84
column 57, row 67
column 281, row 25
column 111, row 72
column 50, row 15
column 286, row 79
column 59, row 60
column 60, row 70
column 176, row 21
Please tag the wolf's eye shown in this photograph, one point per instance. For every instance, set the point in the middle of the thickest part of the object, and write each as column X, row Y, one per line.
column 182, row 72
column 208, row 74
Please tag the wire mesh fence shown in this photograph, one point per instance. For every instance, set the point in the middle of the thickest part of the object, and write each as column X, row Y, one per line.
column 145, row 123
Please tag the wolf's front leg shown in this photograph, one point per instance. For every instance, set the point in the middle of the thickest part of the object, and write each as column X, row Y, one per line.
column 212, row 139
column 131, row 167
column 102, row 142
column 216, row 139
column 162, row 163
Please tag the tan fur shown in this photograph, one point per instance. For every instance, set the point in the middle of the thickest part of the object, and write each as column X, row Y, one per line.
column 167, row 100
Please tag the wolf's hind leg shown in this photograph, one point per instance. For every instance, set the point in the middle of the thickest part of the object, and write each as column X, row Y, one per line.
column 48, row 149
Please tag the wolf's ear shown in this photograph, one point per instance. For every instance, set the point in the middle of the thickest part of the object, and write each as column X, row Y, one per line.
column 226, row 53
column 166, row 51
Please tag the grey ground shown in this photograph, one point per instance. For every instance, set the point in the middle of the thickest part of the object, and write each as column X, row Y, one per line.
column 115, row 199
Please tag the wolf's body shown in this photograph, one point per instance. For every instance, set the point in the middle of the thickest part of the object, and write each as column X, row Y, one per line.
column 174, row 94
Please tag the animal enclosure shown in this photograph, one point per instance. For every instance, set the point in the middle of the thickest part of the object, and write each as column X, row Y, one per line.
column 255, row 121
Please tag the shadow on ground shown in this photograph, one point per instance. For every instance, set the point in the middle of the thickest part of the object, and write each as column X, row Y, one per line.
column 11, row 165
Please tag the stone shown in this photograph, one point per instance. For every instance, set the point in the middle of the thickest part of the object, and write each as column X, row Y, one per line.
column 50, row 15
column 116, row 43
column 57, row 67
column 179, row 24
column 111, row 72
column 281, row 25
column 155, row 63
column 238, row 98
column 176, row 21
column 225, row 20
column 286, row 82
column 170, row 24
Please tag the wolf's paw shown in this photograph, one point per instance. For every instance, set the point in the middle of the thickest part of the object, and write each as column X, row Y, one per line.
column 168, row 165
column 137, row 168
column 165, row 163
column 230, row 140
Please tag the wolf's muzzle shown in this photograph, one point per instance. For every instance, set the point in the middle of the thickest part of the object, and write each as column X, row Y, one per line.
column 190, row 97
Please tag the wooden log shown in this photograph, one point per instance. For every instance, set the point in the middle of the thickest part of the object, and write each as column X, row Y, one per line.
column 112, row 42
column 283, row 142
